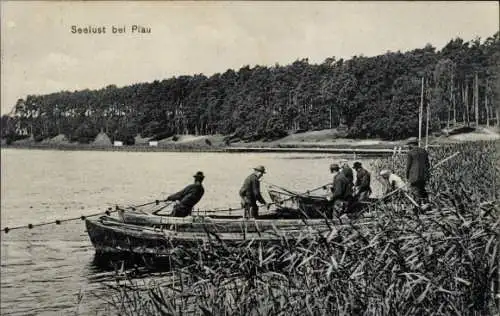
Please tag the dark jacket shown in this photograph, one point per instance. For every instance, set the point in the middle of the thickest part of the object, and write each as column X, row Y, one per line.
column 189, row 196
column 363, row 179
column 342, row 187
column 417, row 165
column 348, row 173
column 251, row 189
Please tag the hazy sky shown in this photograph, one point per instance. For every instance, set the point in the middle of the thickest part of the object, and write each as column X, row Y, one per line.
column 40, row 54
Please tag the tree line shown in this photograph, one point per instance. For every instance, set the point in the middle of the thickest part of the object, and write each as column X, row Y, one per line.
column 366, row 97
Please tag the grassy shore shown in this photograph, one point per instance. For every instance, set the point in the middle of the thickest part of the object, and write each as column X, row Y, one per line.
column 320, row 141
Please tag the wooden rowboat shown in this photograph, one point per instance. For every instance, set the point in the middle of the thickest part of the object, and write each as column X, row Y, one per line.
column 223, row 223
column 110, row 235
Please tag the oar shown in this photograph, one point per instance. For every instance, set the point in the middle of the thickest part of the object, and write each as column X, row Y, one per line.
column 161, row 208
column 281, row 188
column 297, row 193
column 411, row 199
column 301, row 194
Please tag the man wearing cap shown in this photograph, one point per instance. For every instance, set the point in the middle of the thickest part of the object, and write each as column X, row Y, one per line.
column 391, row 181
column 250, row 192
column 188, row 197
column 363, row 180
column 418, row 170
column 341, row 189
column 347, row 170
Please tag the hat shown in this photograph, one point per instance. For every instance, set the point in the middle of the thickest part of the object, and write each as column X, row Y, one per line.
column 385, row 172
column 260, row 168
column 199, row 175
column 412, row 141
column 357, row 164
column 334, row 166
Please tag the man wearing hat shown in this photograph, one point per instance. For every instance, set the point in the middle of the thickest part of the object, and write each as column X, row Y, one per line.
column 341, row 189
column 344, row 164
column 250, row 192
column 188, row 197
column 363, row 180
column 418, row 170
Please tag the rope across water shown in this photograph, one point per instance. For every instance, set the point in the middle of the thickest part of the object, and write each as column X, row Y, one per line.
column 109, row 211
column 81, row 217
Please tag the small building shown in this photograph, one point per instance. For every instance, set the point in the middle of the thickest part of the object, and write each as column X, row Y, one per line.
column 153, row 143
column 118, row 143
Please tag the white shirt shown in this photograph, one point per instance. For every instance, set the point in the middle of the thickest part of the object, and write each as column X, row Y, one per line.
column 395, row 182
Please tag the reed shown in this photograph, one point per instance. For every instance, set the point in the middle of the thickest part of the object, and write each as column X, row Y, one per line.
column 403, row 263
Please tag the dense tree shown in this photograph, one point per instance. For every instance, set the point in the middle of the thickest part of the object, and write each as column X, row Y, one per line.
column 370, row 96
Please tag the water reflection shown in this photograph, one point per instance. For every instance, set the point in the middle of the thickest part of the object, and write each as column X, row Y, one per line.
column 105, row 267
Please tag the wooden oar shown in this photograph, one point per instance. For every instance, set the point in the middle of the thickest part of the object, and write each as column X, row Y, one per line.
column 300, row 194
column 281, row 188
column 161, row 208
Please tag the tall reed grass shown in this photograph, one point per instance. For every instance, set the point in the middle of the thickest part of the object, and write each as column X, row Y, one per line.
column 403, row 263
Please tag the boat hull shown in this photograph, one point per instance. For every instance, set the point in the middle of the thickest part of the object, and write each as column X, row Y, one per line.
column 109, row 235
column 223, row 224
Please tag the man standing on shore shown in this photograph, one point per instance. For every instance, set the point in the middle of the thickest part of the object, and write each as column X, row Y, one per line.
column 188, row 197
column 250, row 193
column 418, row 172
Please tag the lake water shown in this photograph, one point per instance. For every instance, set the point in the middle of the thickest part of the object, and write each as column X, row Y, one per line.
column 50, row 270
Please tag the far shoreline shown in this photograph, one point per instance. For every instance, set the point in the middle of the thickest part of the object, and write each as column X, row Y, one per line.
column 333, row 149
column 320, row 142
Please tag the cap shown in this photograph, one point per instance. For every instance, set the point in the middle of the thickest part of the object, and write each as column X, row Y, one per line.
column 334, row 166
column 357, row 164
column 260, row 168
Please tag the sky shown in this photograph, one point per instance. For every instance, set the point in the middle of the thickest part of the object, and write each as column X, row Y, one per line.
column 40, row 54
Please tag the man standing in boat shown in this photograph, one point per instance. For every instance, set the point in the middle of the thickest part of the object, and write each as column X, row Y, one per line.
column 188, row 197
column 341, row 195
column 362, row 185
column 418, row 171
column 344, row 163
column 250, row 193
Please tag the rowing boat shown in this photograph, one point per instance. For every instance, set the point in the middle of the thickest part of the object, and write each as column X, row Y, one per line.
column 110, row 235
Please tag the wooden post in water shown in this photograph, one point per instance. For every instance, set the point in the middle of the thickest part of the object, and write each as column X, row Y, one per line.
column 420, row 114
